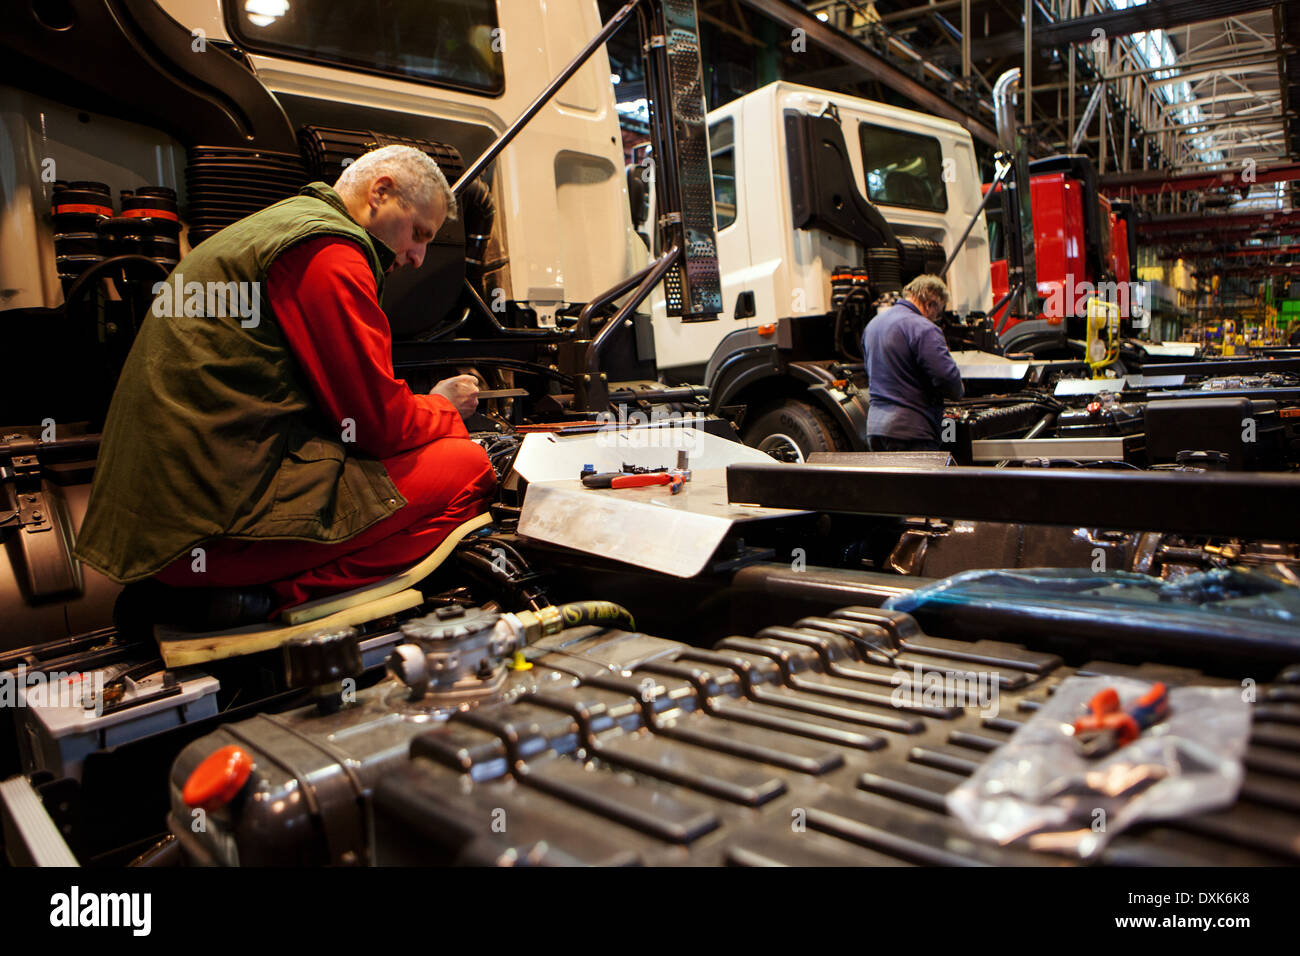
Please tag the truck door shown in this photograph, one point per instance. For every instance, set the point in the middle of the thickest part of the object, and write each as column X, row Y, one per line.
column 729, row 203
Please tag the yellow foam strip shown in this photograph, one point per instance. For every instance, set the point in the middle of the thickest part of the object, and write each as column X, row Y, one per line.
column 315, row 610
column 183, row 648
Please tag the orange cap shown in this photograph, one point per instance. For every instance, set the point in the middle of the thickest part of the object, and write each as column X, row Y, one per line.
column 218, row 778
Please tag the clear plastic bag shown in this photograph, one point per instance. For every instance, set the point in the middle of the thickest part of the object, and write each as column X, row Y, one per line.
column 1038, row 789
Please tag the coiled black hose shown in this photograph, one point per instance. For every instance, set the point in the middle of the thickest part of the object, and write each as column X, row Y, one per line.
column 856, row 300
column 478, row 211
column 494, row 560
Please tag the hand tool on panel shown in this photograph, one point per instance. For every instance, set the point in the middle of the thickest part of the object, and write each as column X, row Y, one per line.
column 638, row 476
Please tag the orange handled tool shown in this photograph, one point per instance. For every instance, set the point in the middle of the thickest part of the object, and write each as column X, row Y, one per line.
column 634, row 477
column 640, row 481
column 1107, row 728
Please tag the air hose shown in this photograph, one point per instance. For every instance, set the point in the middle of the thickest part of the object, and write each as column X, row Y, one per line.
column 551, row 620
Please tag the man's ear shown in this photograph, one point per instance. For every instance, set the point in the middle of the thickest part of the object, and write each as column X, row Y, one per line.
column 380, row 187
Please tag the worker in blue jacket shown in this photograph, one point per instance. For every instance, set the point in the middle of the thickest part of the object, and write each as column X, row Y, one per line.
column 909, row 370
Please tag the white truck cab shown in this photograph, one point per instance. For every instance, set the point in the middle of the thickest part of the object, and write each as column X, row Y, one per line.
column 784, row 226
column 456, row 73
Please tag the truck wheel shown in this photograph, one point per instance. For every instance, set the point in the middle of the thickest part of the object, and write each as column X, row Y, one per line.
column 792, row 431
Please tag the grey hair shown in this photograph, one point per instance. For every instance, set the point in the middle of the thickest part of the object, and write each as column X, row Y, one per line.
column 927, row 288
column 416, row 177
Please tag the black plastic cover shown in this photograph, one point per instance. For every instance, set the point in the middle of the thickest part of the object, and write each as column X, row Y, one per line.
column 128, row 58
column 823, row 192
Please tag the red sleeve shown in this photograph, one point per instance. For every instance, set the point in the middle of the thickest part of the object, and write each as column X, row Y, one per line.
column 324, row 297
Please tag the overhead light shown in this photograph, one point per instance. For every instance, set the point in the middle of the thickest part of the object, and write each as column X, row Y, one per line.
column 615, row 79
column 823, row 16
column 262, row 13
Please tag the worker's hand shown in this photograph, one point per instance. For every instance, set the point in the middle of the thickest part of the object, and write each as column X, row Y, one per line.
column 461, row 391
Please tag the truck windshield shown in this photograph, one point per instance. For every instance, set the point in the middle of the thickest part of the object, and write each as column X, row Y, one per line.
column 453, row 43
column 902, row 169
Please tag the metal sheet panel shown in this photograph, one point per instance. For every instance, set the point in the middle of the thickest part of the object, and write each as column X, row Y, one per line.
column 647, row 527
column 996, row 449
column 974, row 364
column 555, row 457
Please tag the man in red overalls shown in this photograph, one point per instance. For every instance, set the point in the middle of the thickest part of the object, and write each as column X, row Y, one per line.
column 324, row 297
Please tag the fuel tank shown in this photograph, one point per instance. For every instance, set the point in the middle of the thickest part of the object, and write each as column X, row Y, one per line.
column 814, row 743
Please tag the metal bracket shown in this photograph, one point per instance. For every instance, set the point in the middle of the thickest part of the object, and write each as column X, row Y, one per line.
column 33, row 512
column 44, row 562
column 26, row 466
column 654, row 42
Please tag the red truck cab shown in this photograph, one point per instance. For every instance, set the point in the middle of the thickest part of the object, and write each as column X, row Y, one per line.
column 1083, row 246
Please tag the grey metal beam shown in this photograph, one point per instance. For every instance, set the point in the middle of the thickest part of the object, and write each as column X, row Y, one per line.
column 794, row 16
column 1089, row 110
column 1069, row 123
column 965, row 40
column 1187, row 128
column 1166, row 181
column 1019, row 449
column 1149, row 16
column 1027, row 73
column 1189, row 68
column 1212, row 503
column 912, row 13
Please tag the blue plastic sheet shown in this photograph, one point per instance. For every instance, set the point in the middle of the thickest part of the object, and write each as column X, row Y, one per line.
column 1232, row 601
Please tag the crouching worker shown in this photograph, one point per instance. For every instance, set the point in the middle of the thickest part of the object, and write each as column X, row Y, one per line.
column 258, row 457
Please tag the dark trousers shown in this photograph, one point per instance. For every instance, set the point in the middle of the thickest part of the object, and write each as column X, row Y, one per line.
column 885, row 443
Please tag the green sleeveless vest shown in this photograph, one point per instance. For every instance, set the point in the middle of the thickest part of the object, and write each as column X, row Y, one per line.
column 213, row 430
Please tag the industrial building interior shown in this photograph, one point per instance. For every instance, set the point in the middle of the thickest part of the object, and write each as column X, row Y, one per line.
column 1164, row 100
column 690, row 595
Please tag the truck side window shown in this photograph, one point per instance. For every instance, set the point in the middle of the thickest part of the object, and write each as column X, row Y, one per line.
column 902, row 169
column 722, row 150
column 993, row 218
column 453, row 43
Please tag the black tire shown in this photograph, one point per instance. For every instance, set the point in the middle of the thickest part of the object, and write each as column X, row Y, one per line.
column 806, row 426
